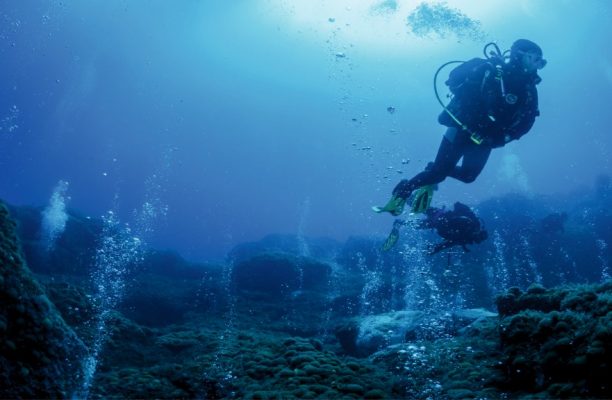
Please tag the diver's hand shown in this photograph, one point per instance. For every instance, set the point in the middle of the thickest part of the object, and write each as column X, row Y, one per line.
column 500, row 140
column 403, row 189
column 494, row 141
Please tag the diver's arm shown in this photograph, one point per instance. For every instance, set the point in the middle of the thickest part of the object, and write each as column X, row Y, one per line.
column 521, row 128
column 498, row 134
column 525, row 118
column 501, row 137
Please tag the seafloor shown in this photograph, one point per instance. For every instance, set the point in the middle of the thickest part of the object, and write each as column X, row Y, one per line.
column 275, row 322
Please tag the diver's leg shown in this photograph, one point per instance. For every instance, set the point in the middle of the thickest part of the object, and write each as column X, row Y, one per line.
column 447, row 158
column 440, row 246
column 474, row 159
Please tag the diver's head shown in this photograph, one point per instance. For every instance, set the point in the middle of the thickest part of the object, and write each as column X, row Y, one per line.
column 527, row 55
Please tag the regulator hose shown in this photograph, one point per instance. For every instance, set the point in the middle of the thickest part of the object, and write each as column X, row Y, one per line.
column 435, row 85
column 495, row 55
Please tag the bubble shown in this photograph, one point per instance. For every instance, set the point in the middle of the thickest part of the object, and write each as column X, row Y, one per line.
column 439, row 20
column 116, row 254
column 8, row 123
column 54, row 216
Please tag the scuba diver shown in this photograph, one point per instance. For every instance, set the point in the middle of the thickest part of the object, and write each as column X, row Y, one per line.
column 458, row 227
column 494, row 101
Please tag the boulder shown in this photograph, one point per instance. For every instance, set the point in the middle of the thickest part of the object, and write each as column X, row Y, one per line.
column 366, row 335
column 40, row 355
column 319, row 248
column 74, row 249
column 280, row 274
column 557, row 342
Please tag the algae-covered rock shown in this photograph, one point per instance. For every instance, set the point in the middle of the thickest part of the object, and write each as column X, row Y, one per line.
column 72, row 301
column 375, row 394
column 311, row 372
column 352, row 388
column 460, row 394
column 167, row 380
column 73, row 251
column 277, row 274
column 179, row 341
column 318, row 248
column 536, row 299
column 365, row 335
column 40, row 354
column 379, row 330
column 553, row 348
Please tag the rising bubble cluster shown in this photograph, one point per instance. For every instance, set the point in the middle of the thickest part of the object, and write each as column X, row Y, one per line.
column 8, row 123
column 119, row 250
column 439, row 20
column 54, row 216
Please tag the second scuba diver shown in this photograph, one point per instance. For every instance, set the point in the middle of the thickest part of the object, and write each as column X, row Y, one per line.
column 457, row 227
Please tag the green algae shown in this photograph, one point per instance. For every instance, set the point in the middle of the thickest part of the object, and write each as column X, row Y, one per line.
column 39, row 353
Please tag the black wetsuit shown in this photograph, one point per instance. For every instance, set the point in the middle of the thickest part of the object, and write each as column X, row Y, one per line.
column 458, row 227
column 497, row 113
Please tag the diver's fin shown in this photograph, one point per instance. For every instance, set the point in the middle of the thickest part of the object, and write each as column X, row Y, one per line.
column 422, row 198
column 439, row 247
column 395, row 206
column 393, row 236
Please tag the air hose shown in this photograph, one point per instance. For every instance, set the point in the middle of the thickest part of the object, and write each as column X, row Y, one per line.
column 444, row 106
column 495, row 54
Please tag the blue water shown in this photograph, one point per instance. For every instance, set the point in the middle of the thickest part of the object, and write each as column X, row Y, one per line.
column 234, row 120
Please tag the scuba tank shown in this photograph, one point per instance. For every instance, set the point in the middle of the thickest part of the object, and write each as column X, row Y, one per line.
column 495, row 59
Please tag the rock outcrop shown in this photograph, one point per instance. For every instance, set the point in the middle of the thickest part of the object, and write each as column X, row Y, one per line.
column 40, row 355
column 557, row 343
column 363, row 336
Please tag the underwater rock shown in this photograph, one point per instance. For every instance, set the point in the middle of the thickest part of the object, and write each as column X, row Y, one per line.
column 445, row 367
column 165, row 380
column 557, row 342
column 170, row 264
column 318, row 248
column 40, row 356
column 161, row 298
column 366, row 335
column 471, row 321
column 359, row 251
column 74, row 250
column 276, row 274
column 574, row 255
column 72, row 301
column 128, row 343
column 164, row 287
column 157, row 301
column 515, row 300
column 249, row 365
column 376, row 331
